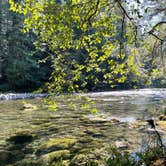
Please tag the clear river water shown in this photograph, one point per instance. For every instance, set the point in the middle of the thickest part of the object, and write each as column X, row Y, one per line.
column 91, row 123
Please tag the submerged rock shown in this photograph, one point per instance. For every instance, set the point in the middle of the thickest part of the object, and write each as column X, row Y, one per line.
column 49, row 158
column 159, row 162
column 84, row 159
column 85, row 139
column 25, row 162
column 57, row 144
column 162, row 125
column 162, row 117
column 121, row 144
column 94, row 132
column 137, row 124
column 29, row 107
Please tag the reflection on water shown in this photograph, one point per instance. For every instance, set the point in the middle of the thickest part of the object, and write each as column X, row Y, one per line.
column 121, row 117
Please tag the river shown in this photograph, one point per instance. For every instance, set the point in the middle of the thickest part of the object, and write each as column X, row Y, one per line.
column 82, row 124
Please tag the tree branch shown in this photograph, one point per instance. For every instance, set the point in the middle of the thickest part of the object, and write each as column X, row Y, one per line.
column 155, row 26
column 95, row 11
column 124, row 11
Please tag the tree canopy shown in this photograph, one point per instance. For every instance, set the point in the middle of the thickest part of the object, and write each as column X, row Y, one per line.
column 96, row 43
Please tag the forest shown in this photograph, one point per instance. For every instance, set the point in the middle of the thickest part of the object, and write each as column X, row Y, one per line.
column 82, row 83
column 72, row 46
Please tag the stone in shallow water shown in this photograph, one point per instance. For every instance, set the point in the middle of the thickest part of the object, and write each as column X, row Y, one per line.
column 137, row 124
column 25, row 162
column 85, row 159
column 121, row 144
column 57, row 144
column 93, row 132
column 50, row 158
column 162, row 117
column 159, row 162
column 29, row 107
column 85, row 139
column 162, row 125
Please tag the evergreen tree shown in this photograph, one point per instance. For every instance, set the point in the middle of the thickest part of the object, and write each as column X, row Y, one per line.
column 19, row 69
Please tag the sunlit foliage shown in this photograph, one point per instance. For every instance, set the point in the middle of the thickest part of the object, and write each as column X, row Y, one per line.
column 93, row 44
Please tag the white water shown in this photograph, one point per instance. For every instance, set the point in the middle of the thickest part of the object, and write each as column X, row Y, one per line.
column 156, row 93
column 161, row 93
column 15, row 96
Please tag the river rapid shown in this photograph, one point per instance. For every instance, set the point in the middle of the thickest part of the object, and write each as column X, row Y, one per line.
column 80, row 125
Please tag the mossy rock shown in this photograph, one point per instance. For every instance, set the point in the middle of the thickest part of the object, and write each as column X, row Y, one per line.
column 86, row 139
column 41, row 122
column 51, row 158
column 76, row 148
column 162, row 125
column 29, row 107
column 85, row 119
column 98, row 120
column 84, row 160
column 66, row 162
column 137, row 124
column 57, row 144
column 93, row 132
column 25, row 162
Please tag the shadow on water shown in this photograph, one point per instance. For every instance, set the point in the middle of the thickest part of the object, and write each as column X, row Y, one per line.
column 16, row 149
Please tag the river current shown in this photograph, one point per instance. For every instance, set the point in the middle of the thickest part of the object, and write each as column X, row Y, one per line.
column 95, row 121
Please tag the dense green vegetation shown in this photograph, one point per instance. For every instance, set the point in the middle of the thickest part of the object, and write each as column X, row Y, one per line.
column 78, row 45
column 20, row 69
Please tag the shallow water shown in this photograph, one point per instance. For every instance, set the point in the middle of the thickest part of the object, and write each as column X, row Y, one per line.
column 95, row 133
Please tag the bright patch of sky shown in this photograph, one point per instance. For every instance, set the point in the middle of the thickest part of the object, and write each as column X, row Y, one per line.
column 145, row 14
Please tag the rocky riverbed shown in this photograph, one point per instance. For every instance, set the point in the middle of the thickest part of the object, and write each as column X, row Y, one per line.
column 80, row 129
